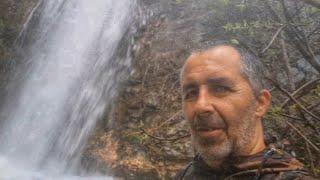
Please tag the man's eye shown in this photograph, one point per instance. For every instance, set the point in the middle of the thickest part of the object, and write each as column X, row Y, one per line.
column 220, row 89
column 190, row 94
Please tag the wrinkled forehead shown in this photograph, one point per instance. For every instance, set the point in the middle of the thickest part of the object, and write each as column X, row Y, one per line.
column 225, row 57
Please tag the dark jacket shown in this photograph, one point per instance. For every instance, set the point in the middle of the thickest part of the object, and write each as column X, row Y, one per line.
column 271, row 164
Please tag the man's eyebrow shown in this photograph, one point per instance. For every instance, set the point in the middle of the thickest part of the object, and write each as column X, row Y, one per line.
column 189, row 85
column 221, row 81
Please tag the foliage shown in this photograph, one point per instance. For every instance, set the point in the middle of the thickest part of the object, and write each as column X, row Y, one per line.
column 316, row 91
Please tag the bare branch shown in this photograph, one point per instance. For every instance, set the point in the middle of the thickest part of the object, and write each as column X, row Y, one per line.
column 294, row 100
column 303, row 119
column 164, row 139
column 304, row 86
column 293, row 35
column 303, row 136
column 291, row 117
column 272, row 39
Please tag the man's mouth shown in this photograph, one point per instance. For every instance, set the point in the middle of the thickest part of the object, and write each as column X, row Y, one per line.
column 208, row 132
column 205, row 129
column 208, row 127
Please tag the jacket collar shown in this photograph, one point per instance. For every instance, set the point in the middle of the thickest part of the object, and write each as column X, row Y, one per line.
column 268, row 161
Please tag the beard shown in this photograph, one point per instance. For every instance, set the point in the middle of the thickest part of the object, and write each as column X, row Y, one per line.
column 232, row 142
column 211, row 151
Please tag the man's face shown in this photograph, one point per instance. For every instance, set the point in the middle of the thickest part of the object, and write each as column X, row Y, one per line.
column 218, row 103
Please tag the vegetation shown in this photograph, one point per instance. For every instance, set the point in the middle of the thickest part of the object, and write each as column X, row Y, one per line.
column 284, row 34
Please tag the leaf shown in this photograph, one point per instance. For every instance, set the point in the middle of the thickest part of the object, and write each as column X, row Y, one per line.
column 234, row 41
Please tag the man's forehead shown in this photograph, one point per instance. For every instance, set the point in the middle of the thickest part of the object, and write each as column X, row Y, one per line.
column 226, row 56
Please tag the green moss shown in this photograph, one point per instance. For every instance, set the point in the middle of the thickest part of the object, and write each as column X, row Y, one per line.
column 276, row 110
column 234, row 41
column 316, row 91
column 224, row 2
column 135, row 138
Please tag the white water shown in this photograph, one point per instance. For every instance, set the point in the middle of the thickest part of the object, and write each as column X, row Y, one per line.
column 69, row 74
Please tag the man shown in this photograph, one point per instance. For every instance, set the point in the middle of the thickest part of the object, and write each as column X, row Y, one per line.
column 224, row 102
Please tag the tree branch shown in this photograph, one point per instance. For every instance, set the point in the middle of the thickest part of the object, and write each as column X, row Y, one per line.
column 309, row 122
column 272, row 39
column 301, row 120
column 291, row 117
column 303, row 136
column 304, row 86
column 164, row 139
column 294, row 100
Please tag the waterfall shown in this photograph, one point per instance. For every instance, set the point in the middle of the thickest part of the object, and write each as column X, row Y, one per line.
column 78, row 54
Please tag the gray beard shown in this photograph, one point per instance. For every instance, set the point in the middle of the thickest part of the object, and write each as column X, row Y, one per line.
column 211, row 152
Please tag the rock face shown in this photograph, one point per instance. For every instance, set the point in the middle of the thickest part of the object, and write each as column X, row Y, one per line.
column 13, row 14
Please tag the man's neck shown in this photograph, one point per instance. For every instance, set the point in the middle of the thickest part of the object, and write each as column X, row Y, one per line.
column 256, row 146
column 224, row 165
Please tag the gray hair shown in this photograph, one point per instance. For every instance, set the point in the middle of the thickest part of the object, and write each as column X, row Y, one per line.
column 252, row 69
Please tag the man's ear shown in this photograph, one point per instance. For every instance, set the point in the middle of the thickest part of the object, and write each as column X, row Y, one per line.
column 263, row 102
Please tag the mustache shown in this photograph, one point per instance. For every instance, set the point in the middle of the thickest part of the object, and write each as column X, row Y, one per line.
column 208, row 122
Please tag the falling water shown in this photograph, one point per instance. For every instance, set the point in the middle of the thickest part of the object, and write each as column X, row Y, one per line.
column 70, row 72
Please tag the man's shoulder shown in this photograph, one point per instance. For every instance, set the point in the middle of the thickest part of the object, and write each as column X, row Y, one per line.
column 199, row 170
column 190, row 173
column 271, row 164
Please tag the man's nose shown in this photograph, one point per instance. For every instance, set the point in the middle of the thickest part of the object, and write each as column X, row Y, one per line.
column 203, row 105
